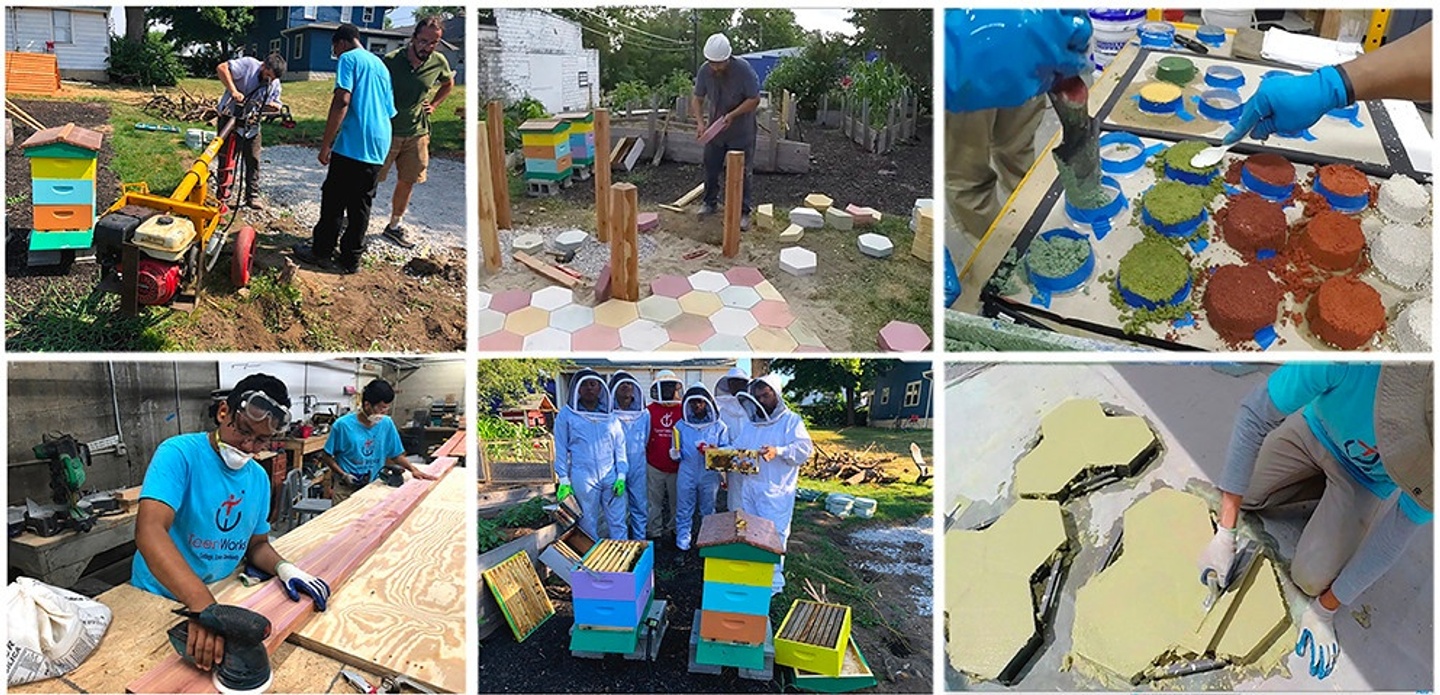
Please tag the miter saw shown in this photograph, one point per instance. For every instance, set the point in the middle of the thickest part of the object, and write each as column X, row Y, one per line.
column 68, row 460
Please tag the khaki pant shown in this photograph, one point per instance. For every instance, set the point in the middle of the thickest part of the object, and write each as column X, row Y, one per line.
column 1294, row 466
column 659, row 487
column 339, row 491
column 410, row 157
column 972, row 141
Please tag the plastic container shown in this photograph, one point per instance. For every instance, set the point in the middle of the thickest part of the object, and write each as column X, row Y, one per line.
column 1222, row 105
column 865, row 507
column 1112, row 30
column 839, row 504
column 1117, row 163
column 1098, row 219
column 1047, row 286
column 1227, row 19
column 1211, row 35
column 1157, row 35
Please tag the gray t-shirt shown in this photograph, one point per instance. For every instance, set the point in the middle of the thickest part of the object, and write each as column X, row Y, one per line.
column 245, row 71
column 726, row 92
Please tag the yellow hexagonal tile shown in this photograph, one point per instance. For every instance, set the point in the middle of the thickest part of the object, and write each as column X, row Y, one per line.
column 616, row 313
column 673, row 346
column 767, row 339
column 700, row 303
column 527, row 320
column 768, row 291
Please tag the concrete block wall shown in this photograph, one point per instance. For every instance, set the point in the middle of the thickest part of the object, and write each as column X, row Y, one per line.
column 523, row 33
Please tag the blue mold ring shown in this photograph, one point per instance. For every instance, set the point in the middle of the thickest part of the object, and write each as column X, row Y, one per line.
column 1175, row 231
column 1297, row 135
column 1266, row 336
column 1350, row 114
column 1220, row 104
column 1157, row 35
column 1224, row 77
column 1193, row 179
column 1268, row 191
column 1121, row 166
column 1346, row 204
column 1210, row 35
column 1045, row 287
column 1139, row 302
column 1099, row 218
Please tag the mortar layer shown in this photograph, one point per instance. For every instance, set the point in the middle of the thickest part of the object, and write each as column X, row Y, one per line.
column 1075, row 437
column 1172, row 202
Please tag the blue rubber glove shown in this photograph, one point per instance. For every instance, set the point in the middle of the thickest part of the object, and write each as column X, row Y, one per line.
column 1002, row 58
column 1317, row 636
column 295, row 581
column 1290, row 104
column 952, row 280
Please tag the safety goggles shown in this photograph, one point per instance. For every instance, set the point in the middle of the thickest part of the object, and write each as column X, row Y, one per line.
column 258, row 406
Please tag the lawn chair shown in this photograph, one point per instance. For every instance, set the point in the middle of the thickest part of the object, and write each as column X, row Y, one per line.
column 920, row 465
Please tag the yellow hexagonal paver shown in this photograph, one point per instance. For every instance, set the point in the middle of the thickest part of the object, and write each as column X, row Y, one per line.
column 616, row 313
column 700, row 303
column 768, row 291
column 673, row 346
column 767, row 339
column 527, row 320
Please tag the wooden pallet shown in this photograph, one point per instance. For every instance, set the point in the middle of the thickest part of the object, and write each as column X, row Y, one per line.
column 615, row 556
column 815, row 623
column 522, row 599
column 31, row 73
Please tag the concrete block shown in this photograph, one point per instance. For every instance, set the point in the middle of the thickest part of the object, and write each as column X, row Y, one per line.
column 863, row 217
column 528, row 243
column 570, row 240
column 797, row 260
column 920, row 204
column 648, row 221
column 839, row 219
column 875, row 245
column 819, row 201
column 901, row 336
column 765, row 216
column 808, row 218
column 792, row 234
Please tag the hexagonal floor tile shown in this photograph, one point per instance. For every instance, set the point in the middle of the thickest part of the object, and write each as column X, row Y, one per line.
column 806, row 337
column 552, row 298
column 616, row 313
column 689, row 328
column 484, row 300
column 670, row 286
column 709, row 281
column 489, row 321
column 548, row 340
column 900, row 336
column 773, row 314
column 768, row 291
column 528, row 243
column 572, row 317
column 659, row 309
column 875, row 245
column 526, row 321
column 643, row 336
column 673, row 346
column 739, row 297
column 744, row 276
column 569, row 240
column 729, row 344
column 702, row 303
column 595, row 338
column 501, row 341
column 766, row 339
column 733, row 321
column 797, row 260
column 510, row 300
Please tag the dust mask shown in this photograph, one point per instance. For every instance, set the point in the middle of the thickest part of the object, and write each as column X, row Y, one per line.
column 235, row 459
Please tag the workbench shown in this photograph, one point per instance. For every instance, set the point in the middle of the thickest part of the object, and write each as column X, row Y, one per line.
column 297, row 448
column 62, row 558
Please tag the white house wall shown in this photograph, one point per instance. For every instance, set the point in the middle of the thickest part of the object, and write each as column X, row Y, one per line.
column 547, row 41
column 86, row 57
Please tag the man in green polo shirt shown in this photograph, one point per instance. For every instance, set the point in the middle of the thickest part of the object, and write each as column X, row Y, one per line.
column 415, row 71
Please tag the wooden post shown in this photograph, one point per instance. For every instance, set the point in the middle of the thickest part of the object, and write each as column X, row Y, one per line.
column 489, row 228
column 499, row 182
column 624, row 249
column 652, row 120
column 734, row 199
column 602, row 176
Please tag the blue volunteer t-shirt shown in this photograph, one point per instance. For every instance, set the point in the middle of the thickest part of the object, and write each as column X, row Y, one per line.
column 362, row 450
column 365, row 132
column 217, row 509
column 1339, row 405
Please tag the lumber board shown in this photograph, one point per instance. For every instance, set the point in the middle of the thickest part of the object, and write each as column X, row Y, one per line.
column 454, row 446
column 545, row 269
column 333, row 560
column 488, row 213
column 495, row 149
column 690, row 197
column 602, row 175
column 734, row 190
column 403, row 612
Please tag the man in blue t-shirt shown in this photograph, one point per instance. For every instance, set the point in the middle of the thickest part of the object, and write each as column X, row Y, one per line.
column 355, row 144
column 1357, row 437
column 203, row 507
column 362, row 442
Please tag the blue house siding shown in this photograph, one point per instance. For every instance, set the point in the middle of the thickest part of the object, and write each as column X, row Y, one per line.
column 888, row 399
column 302, row 34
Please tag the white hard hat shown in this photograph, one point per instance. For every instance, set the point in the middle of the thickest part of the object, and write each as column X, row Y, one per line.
column 717, row 48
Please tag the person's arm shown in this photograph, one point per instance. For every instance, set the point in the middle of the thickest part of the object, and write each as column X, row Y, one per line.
column 275, row 104
column 745, row 107
column 262, row 555
column 228, row 81
column 697, row 102
column 339, row 106
column 1399, row 70
column 752, row 94
column 445, row 86
column 1256, row 418
column 293, row 580
column 152, row 540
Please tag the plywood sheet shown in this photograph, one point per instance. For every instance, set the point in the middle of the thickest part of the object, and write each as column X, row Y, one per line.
column 404, row 611
column 1076, row 437
column 989, row 606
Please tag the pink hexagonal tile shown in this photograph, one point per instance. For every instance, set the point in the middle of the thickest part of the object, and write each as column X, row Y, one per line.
column 744, row 276
column 689, row 328
column 767, row 339
column 773, row 314
column 595, row 338
column 702, row 303
column 709, row 281
column 547, row 340
column 901, row 336
column 501, row 341
column 643, row 336
column 733, row 321
column 670, row 286
column 510, row 300
column 527, row 320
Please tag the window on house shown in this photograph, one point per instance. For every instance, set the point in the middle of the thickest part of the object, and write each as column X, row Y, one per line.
column 912, row 394
column 309, row 11
column 368, row 15
column 280, row 13
column 60, row 26
column 885, row 396
column 347, row 15
column 584, row 79
column 378, row 48
column 274, row 45
column 299, row 47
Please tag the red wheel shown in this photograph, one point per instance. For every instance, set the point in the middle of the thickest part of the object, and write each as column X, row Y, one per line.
column 242, row 256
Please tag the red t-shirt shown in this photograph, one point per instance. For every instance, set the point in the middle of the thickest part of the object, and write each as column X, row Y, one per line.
column 663, row 419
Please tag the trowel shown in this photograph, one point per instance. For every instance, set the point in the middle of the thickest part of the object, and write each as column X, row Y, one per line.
column 1244, row 559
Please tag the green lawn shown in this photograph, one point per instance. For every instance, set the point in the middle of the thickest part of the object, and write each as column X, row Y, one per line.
column 893, row 441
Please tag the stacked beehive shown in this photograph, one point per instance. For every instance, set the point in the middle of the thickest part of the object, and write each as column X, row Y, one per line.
column 62, row 185
column 733, row 623
column 546, row 143
column 612, row 590
column 582, row 138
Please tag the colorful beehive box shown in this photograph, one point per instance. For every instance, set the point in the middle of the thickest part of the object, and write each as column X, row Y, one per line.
column 612, row 585
column 814, row 637
column 62, row 183
column 582, row 137
column 855, row 674
column 546, row 144
column 740, row 552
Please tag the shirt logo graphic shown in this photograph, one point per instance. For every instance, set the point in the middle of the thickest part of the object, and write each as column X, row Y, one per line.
column 1362, row 452
column 226, row 516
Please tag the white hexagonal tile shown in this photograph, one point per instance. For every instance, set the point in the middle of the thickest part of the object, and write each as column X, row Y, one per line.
column 484, row 300
column 739, row 297
column 572, row 317
column 528, row 243
column 875, row 245
column 797, row 260
column 643, row 336
column 726, row 343
column 709, row 281
column 733, row 321
column 548, row 339
column 570, row 240
column 809, row 218
column 659, row 309
column 488, row 322
column 552, row 298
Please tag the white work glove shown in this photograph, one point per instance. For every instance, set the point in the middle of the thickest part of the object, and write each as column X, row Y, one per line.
column 295, row 580
column 1219, row 555
column 674, row 454
column 1317, row 636
column 349, row 478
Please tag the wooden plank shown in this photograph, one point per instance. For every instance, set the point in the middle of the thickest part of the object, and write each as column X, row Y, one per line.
column 734, row 195
column 545, row 269
column 624, row 245
column 489, row 225
column 334, row 560
column 499, row 182
column 690, row 197
column 454, row 446
column 602, row 175
column 404, row 610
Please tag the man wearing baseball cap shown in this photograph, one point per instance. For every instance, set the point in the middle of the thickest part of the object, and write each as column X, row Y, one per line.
column 732, row 89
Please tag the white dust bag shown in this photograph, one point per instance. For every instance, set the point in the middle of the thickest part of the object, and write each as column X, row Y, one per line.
column 51, row 630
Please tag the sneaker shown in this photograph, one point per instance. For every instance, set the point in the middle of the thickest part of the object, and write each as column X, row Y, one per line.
column 254, row 203
column 306, row 254
column 348, row 269
column 708, row 209
column 399, row 236
column 744, row 223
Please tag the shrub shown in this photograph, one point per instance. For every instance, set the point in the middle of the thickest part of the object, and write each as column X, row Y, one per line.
column 812, row 74
column 517, row 112
column 151, row 62
column 878, row 82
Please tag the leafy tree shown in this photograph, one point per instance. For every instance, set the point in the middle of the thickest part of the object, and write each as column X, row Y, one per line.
column 205, row 35
column 442, row 11
column 903, row 37
column 755, row 29
column 813, row 73
column 151, row 62
column 848, row 377
column 499, row 381
column 136, row 26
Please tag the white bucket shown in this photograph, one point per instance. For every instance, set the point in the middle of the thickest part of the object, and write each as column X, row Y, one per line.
column 1228, row 19
column 864, row 507
column 193, row 138
column 839, row 503
column 1112, row 30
